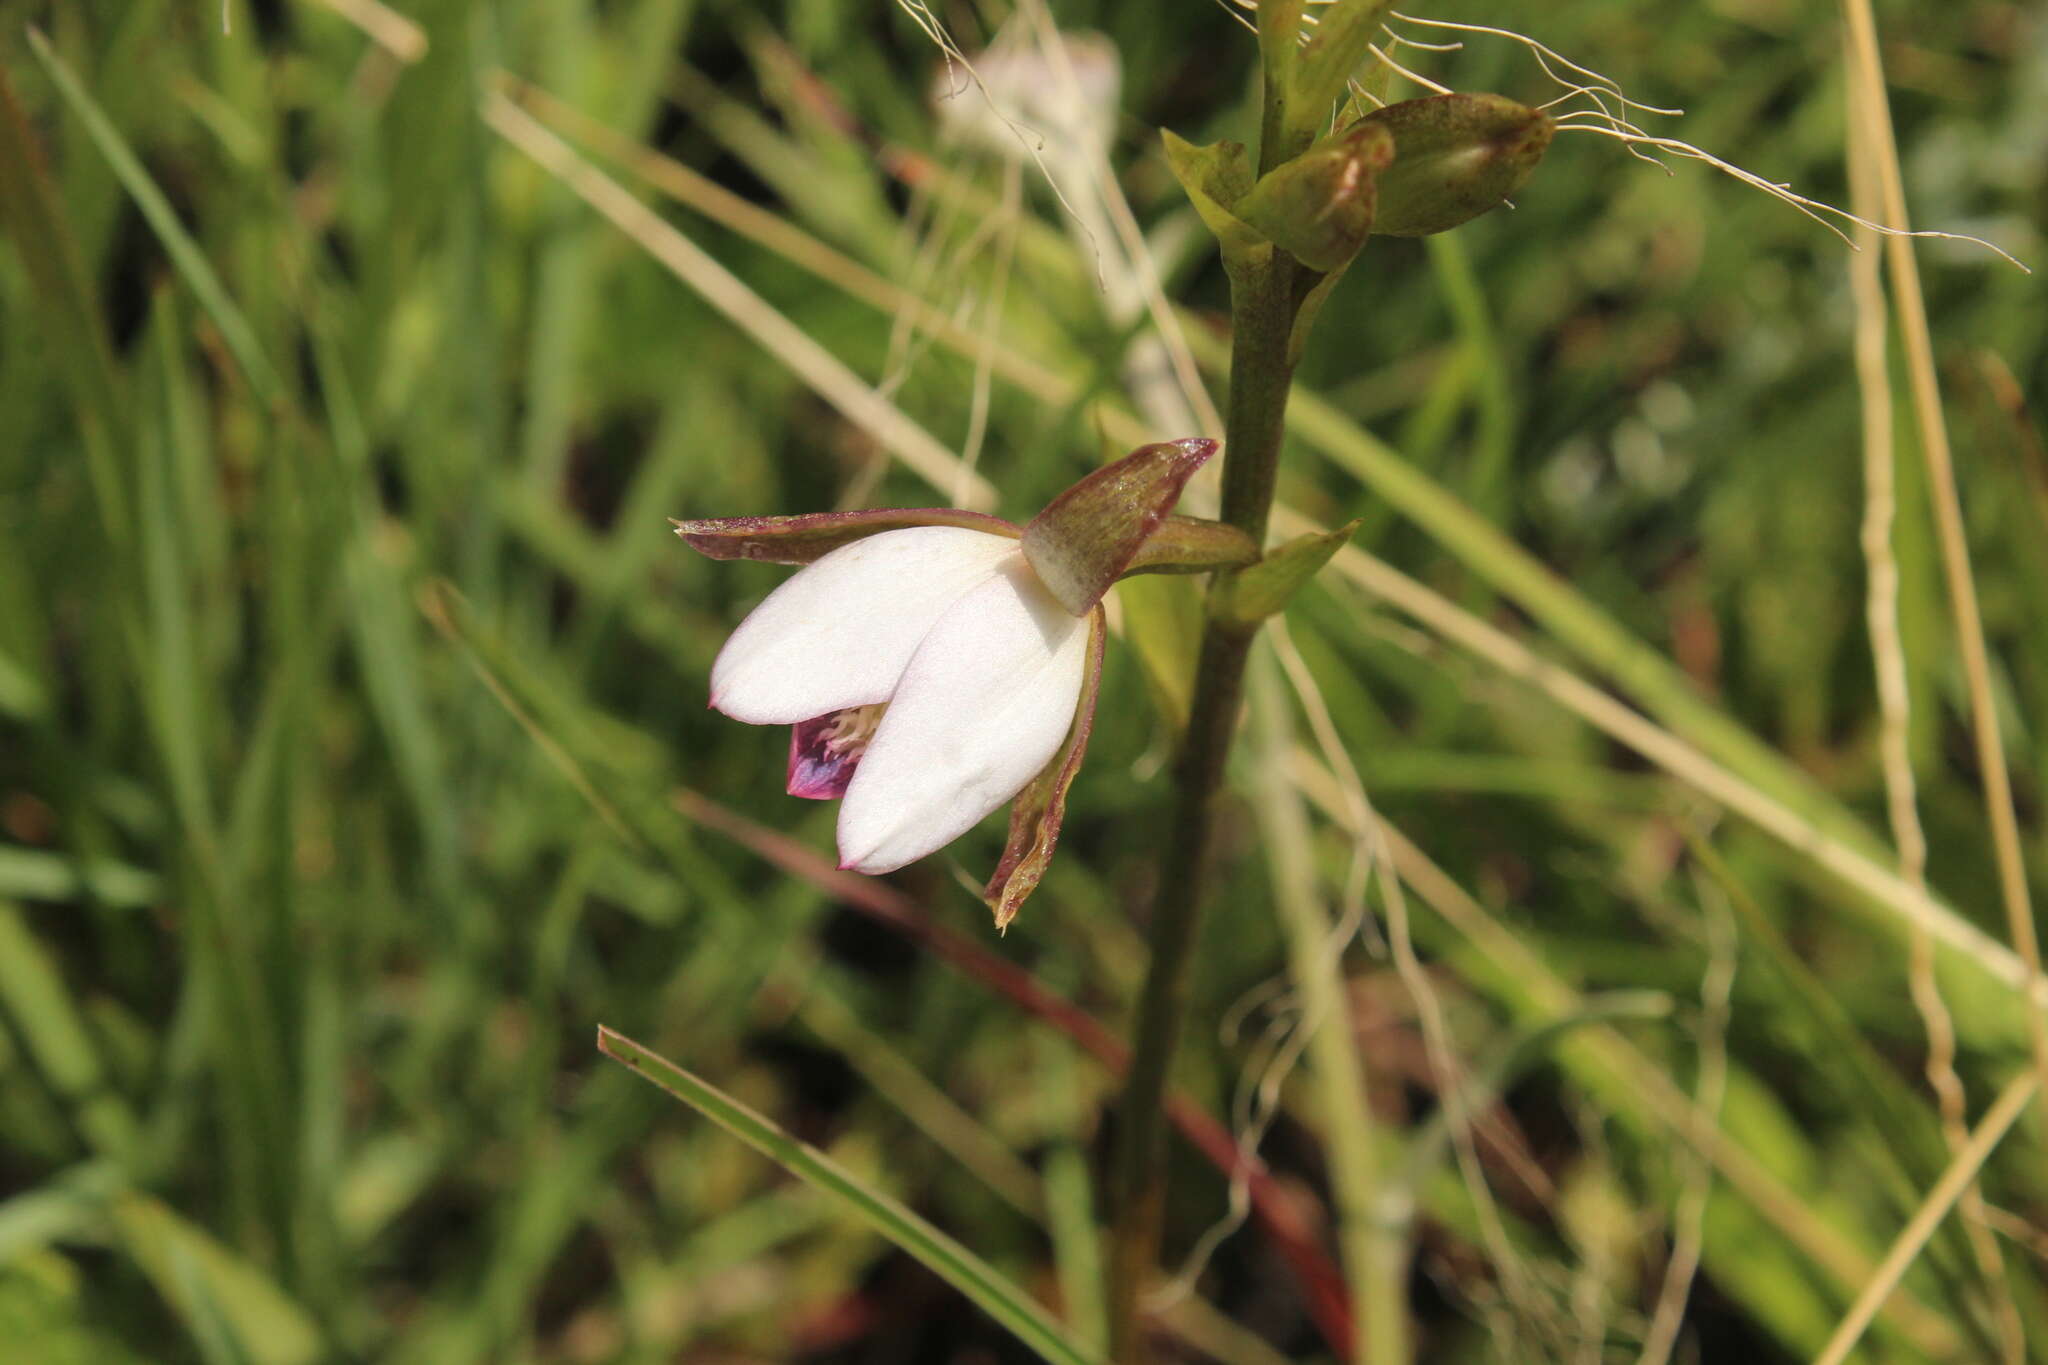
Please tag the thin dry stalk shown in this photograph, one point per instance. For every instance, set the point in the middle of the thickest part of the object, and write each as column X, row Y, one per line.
column 1090, row 195
column 1873, row 113
column 384, row 26
column 1144, row 271
column 723, row 290
column 930, row 267
column 1881, row 610
column 1028, row 140
column 1516, row 1284
column 1680, row 759
column 991, row 325
column 1371, row 849
column 1545, row 991
column 2024, row 1234
column 1960, row 1175
column 793, row 244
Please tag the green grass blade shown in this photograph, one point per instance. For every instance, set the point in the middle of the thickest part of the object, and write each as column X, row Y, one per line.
column 943, row 1256
column 1567, row 614
column 224, row 1298
column 22, row 694
column 33, row 215
column 37, row 1003
column 1070, row 1213
column 185, row 253
column 36, row 874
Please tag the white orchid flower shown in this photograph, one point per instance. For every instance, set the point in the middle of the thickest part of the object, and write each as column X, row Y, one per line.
column 934, row 664
column 929, row 675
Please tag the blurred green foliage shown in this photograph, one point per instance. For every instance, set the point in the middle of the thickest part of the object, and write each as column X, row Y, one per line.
column 347, row 668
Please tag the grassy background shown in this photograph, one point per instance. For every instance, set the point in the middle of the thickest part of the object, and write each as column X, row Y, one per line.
column 349, row 675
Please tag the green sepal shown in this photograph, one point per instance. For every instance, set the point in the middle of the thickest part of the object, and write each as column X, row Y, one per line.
column 1215, row 177
column 1264, row 589
column 810, row 536
column 1193, row 545
column 1319, row 206
column 1455, row 157
column 1088, row 536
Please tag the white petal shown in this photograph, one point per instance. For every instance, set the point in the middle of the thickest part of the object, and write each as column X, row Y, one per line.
column 983, row 706
column 840, row 632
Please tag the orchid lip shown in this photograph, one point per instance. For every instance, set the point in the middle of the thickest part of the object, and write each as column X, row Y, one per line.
column 825, row 751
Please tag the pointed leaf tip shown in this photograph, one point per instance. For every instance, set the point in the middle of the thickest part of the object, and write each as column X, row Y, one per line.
column 1215, row 177
column 1089, row 535
column 1265, row 589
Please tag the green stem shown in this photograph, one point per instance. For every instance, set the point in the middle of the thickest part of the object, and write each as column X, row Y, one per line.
column 1264, row 300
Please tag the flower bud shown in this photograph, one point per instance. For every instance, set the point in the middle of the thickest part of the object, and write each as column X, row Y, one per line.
column 1319, row 207
column 1455, row 157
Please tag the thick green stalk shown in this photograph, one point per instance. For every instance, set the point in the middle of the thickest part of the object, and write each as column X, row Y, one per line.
column 1264, row 299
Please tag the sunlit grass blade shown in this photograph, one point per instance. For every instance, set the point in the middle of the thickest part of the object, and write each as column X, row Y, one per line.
column 36, row 874
column 1375, row 1250
column 946, row 1258
column 1843, row 859
column 224, row 1298
column 1632, row 1085
column 38, row 1004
